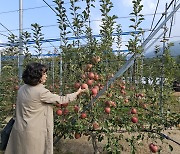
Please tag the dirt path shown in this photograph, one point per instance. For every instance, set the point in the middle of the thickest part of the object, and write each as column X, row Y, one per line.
column 83, row 146
column 176, row 94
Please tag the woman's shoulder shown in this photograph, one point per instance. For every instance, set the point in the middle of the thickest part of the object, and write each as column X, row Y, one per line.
column 41, row 88
column 26, row 86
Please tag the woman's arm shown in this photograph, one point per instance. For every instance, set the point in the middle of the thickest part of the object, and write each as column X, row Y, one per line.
column 47, row 97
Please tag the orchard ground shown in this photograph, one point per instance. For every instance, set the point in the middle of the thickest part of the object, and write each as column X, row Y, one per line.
column 83, row 146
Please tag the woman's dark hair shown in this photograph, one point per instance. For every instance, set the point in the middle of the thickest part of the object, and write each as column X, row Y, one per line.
column 33, row 73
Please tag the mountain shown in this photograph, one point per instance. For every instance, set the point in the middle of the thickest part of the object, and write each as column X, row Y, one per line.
column 174, row 51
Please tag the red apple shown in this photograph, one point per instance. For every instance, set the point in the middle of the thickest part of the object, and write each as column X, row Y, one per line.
column 16, row 87
column 144, row 106
column 123, row 92
column 113, row 104
column 95, row 125
column 77, row 135
column 83, row 115
column 56, row 86
column 91, row 75
column 89, row 66
column 83, row 76
column 90, row 82
column 58, row 105
column 65, row 111
column 64, row 105
column 59, row 112
column 84, row 86
column 133, row 111
column 77, row 85
column 94, row 91
column 123, row 87
column 134, row 119
column 107, row 110
column 141, row 95
column 126, row 100
column 108, row 103
column 97, row 87
column 76, row 108
column 101, row 87
column 96, row 77
column 153, row 148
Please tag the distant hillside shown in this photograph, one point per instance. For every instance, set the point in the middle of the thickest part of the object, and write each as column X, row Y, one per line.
column 174, row 51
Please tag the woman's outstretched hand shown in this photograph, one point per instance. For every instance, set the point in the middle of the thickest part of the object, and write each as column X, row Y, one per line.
column 80, row 90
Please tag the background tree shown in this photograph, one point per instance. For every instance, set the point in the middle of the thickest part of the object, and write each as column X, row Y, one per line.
column 37, row 38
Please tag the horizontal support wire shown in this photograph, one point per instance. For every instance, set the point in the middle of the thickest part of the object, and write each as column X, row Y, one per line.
column 68, row 38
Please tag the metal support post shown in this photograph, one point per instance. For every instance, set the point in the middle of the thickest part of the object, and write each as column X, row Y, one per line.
column 162, row 66
column 21, row 54
column 0, row 63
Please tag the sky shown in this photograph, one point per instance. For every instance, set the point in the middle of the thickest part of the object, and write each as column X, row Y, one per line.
column 36, row 11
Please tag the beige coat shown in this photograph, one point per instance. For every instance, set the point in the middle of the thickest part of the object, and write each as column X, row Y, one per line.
column 32, row 132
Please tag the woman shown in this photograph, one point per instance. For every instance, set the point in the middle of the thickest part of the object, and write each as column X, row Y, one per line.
column 32, row 132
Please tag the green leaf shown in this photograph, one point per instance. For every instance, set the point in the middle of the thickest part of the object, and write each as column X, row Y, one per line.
column 92, row 5
column 132, row 19
column 141, row 18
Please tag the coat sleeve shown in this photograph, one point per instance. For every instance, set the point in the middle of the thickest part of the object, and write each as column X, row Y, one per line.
column 47, row 97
